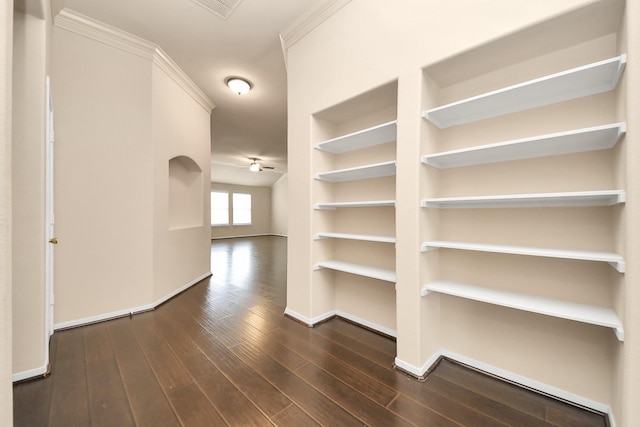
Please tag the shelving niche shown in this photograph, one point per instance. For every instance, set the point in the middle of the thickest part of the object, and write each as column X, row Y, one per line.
column 354, row 207
column 481, row 139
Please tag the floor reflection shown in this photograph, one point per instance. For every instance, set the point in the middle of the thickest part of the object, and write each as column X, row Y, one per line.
column 256, row 264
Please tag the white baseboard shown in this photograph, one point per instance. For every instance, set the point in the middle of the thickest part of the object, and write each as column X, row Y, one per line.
column 507, row 375
column 181, row 289
column 248, row 235
column 418, row 372
column 308, row 320
column 328, row 315
column 382, row 329
column 32, row 373
column 128, row 311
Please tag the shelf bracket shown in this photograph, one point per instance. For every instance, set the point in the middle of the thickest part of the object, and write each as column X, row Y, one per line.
column 619, row 331
column 426, row 248
column 618, row 265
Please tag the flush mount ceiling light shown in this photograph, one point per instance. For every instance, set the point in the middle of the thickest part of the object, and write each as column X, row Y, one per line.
column 238, row 85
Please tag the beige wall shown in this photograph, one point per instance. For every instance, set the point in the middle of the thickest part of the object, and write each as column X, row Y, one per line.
column 6, row 42
column 29, row 239
column 260, row 212
column 279, row 214
column 121, row 114
column 552, row 352
column 181, row 253
column 103, row 177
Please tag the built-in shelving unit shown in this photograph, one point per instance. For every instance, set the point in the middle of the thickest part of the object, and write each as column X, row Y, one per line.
column 361, row 237
column 594, row 315
column 616, row 261
column 352, row 240
column 358, row 269
column 363, row 204
column 370, row 137
column 573, row 141
column 570, row 84
column 583, row 81
column 540, row 200
column 376, row 170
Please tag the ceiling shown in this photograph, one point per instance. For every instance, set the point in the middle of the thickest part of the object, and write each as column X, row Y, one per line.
column 209, row 49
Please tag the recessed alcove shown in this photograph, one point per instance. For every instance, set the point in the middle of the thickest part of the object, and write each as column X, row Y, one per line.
column 185, row 193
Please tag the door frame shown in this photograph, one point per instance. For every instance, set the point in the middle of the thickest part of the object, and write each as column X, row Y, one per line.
column 49, row 220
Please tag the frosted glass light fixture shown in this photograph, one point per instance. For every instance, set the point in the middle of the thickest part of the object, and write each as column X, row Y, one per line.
column 254, row 166
column 238, row 85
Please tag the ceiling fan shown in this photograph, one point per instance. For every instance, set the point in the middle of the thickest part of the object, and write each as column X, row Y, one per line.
column 255, row 166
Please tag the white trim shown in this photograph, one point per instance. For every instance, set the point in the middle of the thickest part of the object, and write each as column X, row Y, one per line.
column 308, row 320
column 83, row 25
column 171, row 69
column 127, row 312
column 414, row 370
column 308, row 22
column 87, row 27
column 382, row 329
column 328, row 315
column 181, row 289
column 248, row 235
column 510, row 376
column 31, row 373
column 528, row 382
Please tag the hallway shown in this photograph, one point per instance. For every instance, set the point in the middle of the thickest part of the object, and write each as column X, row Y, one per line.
column 222, row 353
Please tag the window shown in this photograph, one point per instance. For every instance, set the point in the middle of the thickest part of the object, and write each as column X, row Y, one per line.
column 240, row 205
column 241, row 209
column 219, row 208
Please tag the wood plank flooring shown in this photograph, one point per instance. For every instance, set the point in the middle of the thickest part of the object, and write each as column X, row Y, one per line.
column 222, row 353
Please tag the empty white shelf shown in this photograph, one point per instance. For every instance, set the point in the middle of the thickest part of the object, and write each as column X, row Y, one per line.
column 363, row 237
column 573, row 141
column 594, row 315
column 364, row 204
column 360, row 270
column 546, row 200
column 375, row 135
column 615, row 260
column 582, row 81
column 376, row 170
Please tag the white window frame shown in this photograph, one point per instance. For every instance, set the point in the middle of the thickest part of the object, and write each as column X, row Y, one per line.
column 241, row 215
column 226, row 209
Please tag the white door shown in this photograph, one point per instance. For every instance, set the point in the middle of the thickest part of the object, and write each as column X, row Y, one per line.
column 50, row 220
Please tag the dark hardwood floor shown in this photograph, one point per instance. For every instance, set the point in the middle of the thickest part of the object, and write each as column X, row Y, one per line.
column 222, row 353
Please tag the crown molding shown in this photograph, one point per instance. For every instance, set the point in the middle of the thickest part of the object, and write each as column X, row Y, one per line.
column 166, row 64
column 308, row 22
column 87, row 27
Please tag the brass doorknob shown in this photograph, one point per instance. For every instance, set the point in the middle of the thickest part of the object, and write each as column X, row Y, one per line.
column 54, row 240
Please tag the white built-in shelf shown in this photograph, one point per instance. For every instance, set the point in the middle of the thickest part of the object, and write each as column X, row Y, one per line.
column 376, row 170
column 364, row 204
column 615, row 260
column 363, row 237
column 582, row 81
column 540, row 200
column 594, row 315
column 573, row 141
column 358, row 269
column 375, row 135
